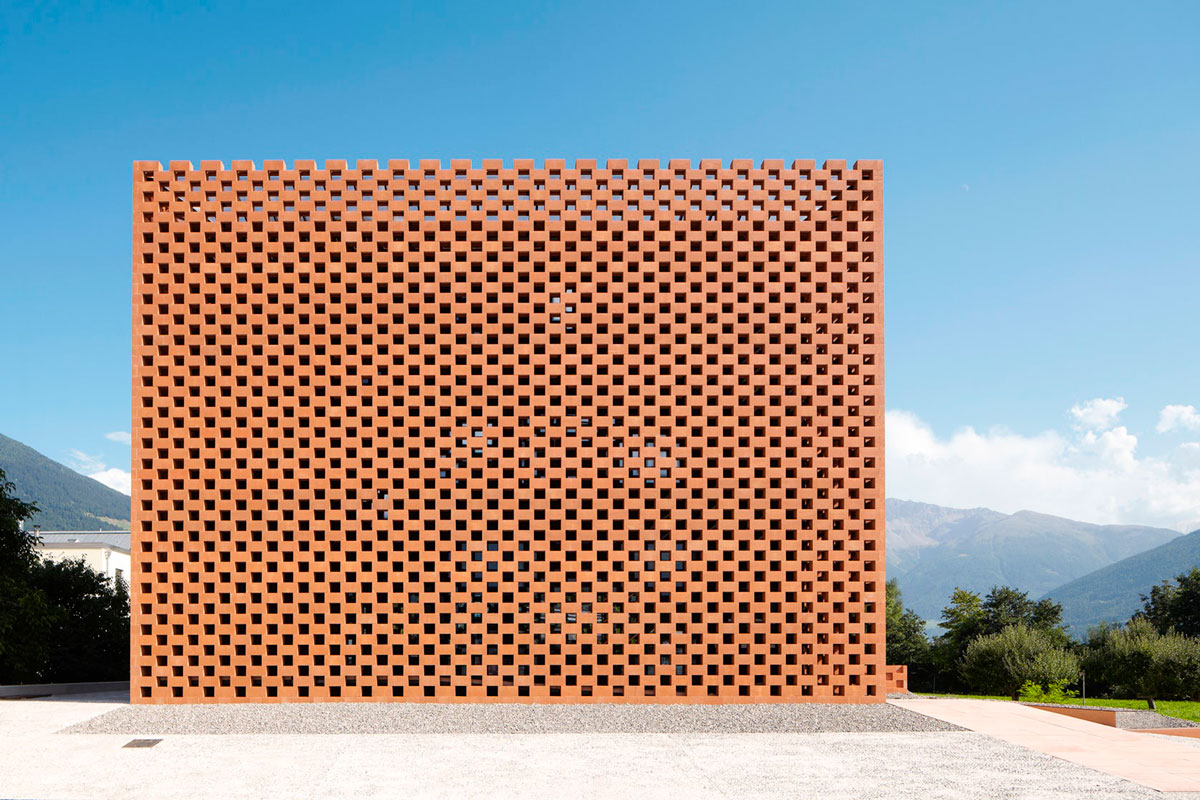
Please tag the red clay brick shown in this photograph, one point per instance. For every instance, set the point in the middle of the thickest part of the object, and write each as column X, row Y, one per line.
column 895, row 678
column 512, row 433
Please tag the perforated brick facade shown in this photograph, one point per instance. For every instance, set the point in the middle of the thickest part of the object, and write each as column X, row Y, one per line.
column 508, row 433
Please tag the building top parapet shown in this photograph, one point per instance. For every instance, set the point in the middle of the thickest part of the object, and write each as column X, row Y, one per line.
column 516, row 164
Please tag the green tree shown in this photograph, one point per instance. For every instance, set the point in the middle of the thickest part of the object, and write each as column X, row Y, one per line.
column 59, row 621
column 906, row 640
column 1174, row 605
column 1005, row 606
column 1002, row 662
column 88, row 632
column 24, row 623
column 17, row 554
column 963, row 619
column 23, row 610
column 1136, row 660
column 969, row 616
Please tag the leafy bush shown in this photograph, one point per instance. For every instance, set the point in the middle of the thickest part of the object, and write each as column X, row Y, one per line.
column 1138, row 661
column 1001, row 663
column 1055, row 692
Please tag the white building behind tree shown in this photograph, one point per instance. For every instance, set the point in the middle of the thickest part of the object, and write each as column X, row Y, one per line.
column 107, row 552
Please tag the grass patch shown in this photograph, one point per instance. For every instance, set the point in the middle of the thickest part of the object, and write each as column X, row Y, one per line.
column 1181, row 709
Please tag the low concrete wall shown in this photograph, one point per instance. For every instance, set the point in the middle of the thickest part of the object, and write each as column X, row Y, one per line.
column 1103, row 716
column 37, row 689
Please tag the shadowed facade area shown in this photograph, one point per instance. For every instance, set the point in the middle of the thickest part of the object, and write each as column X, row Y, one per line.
column 508, row 433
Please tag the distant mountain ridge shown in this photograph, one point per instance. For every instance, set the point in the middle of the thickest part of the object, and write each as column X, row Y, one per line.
column 67, row 500
column 1113, row 593
column 913, row 527
column 931, row 550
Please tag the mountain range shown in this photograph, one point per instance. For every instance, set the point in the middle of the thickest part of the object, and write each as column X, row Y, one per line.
column 931, row 550
column 67, row 501
column 1114, row 592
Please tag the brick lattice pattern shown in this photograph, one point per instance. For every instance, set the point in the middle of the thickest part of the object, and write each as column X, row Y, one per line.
column 508, row 433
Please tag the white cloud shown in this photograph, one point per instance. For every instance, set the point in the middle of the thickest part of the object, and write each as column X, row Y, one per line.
column 1099, row 414
column 114, row 478
column 1178, row 416
column 122, row 437
column 84, row 462
column 95, row 468
column 1092, row 474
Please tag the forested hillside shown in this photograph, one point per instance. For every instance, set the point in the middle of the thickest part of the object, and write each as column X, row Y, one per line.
column 1114, row 592
column 68, row 501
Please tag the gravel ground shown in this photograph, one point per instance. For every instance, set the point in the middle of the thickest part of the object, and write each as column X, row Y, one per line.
column 384, row 718
column 1140, row 720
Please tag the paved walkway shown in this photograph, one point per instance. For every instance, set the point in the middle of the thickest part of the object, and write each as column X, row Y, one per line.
column 1158, row 762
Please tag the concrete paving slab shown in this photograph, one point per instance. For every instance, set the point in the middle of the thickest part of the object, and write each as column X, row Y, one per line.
column 39, row 762
column 1156, row 762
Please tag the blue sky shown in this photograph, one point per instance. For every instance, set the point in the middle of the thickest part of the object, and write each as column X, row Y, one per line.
column 1041, row 225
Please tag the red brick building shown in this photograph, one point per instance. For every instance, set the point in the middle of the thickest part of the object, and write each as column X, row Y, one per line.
column 514, row 433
